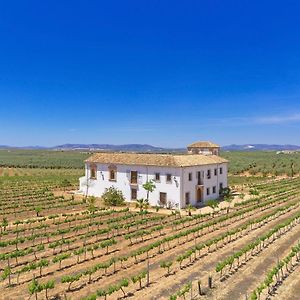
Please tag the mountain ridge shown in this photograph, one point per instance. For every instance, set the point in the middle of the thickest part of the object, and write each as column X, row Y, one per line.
column 150, row 148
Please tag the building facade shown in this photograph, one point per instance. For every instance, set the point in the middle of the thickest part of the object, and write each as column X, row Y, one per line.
column 206, row 148
column 179, row 179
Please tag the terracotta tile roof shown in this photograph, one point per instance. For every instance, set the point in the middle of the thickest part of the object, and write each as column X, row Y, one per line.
column 167, row 160
column 204, row 144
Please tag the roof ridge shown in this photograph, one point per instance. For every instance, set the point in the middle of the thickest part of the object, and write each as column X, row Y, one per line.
column 155, row 159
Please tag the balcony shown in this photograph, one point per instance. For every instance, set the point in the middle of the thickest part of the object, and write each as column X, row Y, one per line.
column 134, row 178
column 133, row 181
column 200, row 181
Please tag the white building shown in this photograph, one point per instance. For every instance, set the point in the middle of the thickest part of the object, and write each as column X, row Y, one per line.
column 206, row 148
column 179, row 179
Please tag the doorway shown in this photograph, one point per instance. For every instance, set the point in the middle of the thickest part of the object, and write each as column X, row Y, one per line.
column 199, row 195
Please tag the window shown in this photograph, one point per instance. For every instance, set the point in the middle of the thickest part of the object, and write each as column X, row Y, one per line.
column 190, row 176
column 133, row 177
column 112, row 170
column 169, row 178
column 199, row 179
column 207, row 191
column 221, row 186
column 157, row 176
column 208, row 174
column 216, row 172
column 163, row 198
column 133, row 194
column 221, row 170
column 187, row 198
column 214, row 189
column 93, row 172
column 112, row 175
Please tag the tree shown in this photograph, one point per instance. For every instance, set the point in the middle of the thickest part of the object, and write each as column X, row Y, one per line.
column 189, row 209
column 213, row 204
column 91, row 201
column 65, row 183
column 107, row 243
column 123, row 283
column 70, row 279
column 7, row 274
column 42, row 263
column 225, row 192
column 34, row 288
column 38, row 210
column 138, row 278
column 4, row 224
column 166, row 265
column 142, row 204
column 149, row 186
column 47, row 286
column 292, row 169
column 113, row 197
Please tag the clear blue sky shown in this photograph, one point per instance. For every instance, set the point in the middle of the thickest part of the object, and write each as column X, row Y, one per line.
column 165, row 73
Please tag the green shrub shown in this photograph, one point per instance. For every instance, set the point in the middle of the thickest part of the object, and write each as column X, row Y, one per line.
column 113, row 197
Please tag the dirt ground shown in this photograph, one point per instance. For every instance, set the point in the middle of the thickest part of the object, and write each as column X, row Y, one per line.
column 237, row 286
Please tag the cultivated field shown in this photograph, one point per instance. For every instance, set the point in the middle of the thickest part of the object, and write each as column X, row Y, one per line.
column 263, row 163
column 258, row 163
column 56, row 245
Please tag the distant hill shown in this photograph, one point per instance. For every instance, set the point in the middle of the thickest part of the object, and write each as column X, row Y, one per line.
column 260, row 147
column 109, row 147
column 100, row 147
column 150, row 148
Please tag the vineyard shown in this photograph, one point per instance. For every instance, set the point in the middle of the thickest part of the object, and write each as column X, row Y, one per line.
column 42, row 159
column 263, row 163
column 60, row 247
column 256, row 163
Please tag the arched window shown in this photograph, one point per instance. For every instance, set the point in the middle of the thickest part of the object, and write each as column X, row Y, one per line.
column 93, row 172
column 112, row 169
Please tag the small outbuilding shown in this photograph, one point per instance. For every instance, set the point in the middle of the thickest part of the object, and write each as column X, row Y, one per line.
column 204, row 147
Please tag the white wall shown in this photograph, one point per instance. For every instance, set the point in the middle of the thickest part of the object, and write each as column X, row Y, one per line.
column 175, row 190
column 98, row 186
column 190, row 186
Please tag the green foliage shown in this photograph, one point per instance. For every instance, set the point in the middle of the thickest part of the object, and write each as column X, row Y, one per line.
column 35, row 287
column 37, row 210
column 181, row 293
column 113, row 197
column 226, row 193
column 142, row 204
column 149, row 186
column 189, row 208
column 272, row 274
column 254, row 192
column 263, row 163
column 42, row 159
column 4, row 223
column 91, row 201
column 212, row 203
column 6, row 273
column 166, row 265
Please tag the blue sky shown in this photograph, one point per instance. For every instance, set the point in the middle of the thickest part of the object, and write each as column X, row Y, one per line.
column 165, row 73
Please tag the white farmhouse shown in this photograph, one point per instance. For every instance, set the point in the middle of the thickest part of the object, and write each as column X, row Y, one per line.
column 179, row 179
